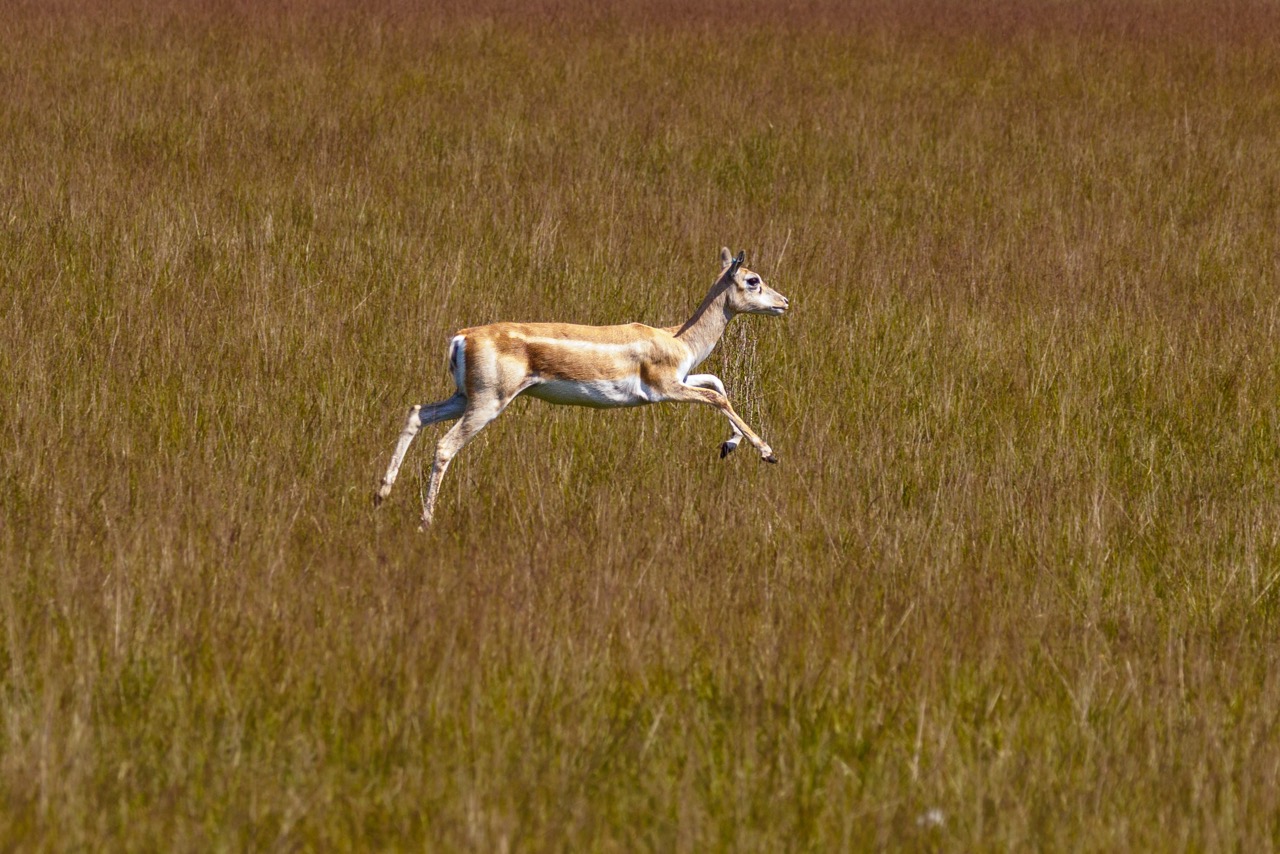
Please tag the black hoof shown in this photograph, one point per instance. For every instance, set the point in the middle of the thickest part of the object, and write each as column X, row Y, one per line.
column 725, row 449
column 377, row 500
column 772, row 458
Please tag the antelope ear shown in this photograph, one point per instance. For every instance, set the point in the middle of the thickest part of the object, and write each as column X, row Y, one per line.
column 736, row 264
column 726, row 257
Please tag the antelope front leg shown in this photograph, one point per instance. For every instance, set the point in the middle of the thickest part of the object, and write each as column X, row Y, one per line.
column 713, row 397
column 713, row 382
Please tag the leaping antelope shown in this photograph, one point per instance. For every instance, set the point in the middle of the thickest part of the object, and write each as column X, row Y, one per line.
column 598, row 366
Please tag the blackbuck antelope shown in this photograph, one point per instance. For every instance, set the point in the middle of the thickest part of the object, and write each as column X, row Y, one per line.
column 600, row 366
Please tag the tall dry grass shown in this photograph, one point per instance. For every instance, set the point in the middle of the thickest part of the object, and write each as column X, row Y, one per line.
column 1013, row 585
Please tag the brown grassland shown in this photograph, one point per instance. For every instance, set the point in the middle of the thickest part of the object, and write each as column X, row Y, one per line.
column 1015, row 582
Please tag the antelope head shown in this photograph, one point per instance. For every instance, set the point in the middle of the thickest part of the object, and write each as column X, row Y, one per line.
column 748, row 294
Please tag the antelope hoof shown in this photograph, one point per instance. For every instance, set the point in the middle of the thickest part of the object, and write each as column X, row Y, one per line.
column 771, row 458
column 726, row 449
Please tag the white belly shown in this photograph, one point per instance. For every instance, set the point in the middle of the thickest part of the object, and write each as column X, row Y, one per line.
column 601, row 394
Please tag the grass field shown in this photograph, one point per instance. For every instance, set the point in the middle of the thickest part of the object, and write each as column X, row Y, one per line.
column 1014, row 583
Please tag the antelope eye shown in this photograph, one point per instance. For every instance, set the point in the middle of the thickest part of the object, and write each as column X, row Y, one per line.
column 754, row 283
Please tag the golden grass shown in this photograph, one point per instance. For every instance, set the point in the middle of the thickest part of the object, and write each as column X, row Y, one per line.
column 1019, row 562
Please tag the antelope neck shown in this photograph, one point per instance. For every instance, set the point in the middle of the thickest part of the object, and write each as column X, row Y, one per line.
column 702, row 331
